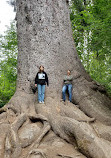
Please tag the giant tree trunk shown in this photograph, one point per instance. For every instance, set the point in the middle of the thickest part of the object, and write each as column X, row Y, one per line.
column 53, row 129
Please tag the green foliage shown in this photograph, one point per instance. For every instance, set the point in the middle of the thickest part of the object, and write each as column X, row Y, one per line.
column 8, row 62
column 91, row 25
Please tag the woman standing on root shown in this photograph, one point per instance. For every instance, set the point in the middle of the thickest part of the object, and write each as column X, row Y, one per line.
column 67, row 86
column 40, row 81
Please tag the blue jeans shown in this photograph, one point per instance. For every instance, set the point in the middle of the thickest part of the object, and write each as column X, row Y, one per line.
column 65, row 87
column 41, row 92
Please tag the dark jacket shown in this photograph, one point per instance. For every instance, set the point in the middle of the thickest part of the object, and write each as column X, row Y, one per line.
column 41, row 78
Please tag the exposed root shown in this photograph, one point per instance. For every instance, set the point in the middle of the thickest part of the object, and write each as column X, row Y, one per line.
column 64, row 156
column 15, row 144
column 71, row 111
column 88, row 121
column 13, row 109
column 3, row 110
column 3, row 116
column 14, row 129
column 19, row 122
column 8, row 147
column 87, row 140
column 38, row 117
column 67, row 121
column 45, row 130
column 12, row 143
column 37, row 152
column 34, row 118
column 102, row 130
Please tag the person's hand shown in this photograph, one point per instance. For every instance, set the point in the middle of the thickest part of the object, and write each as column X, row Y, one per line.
column 35, row 85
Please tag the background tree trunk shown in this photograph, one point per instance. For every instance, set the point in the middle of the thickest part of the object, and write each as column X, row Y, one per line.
column 53, row 129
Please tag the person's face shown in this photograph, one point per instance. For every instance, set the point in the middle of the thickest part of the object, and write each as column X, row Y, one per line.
column 68, row 72
column 41, row 68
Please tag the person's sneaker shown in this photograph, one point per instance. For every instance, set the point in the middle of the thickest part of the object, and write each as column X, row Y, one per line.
column 40, row 102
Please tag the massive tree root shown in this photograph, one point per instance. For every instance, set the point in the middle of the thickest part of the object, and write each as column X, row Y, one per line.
column 53, row 125
column 92, row 99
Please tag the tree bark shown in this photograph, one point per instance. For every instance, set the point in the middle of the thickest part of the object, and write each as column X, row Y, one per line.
column 54, row 129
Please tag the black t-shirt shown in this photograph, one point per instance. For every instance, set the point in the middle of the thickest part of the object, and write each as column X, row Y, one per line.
column 41, row 78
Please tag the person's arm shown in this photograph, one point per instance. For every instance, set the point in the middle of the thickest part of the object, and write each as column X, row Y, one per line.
column 36, row 80
column 72, row 77
column 46, row 78
column 64, row 79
